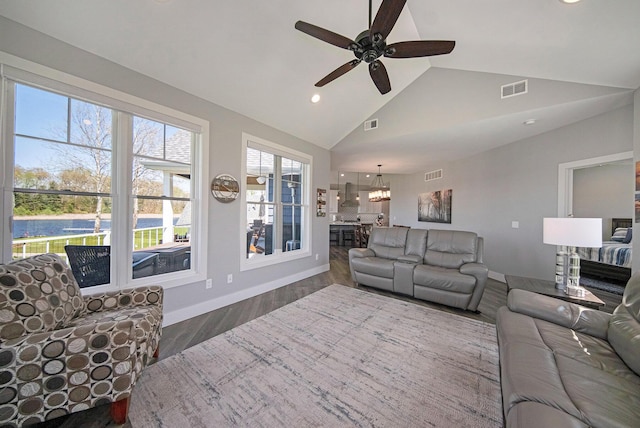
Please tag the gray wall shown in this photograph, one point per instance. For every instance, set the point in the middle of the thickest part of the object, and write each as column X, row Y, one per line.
column 604, row 191
column 226, row 129
column 517, row 182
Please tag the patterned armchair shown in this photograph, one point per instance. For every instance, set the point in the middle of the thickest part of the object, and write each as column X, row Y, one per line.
column 61, row 352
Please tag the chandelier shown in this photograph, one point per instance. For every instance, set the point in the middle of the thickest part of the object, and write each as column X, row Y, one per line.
column 379, row 190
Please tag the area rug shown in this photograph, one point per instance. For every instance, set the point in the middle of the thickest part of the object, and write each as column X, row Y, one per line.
column 338, row 357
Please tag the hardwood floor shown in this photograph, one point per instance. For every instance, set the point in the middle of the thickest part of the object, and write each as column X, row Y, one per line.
column 180, row 336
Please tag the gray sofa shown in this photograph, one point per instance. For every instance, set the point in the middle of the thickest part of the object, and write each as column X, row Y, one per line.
column 442, row 266
column 563, row 365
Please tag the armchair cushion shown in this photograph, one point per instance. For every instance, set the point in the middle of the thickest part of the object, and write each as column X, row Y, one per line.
column 37, row 294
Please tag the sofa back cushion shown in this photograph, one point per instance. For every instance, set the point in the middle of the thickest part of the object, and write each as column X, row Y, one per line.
column 416, row 243
column 624, row 325
column 38, row 293
column 450, row 248
column 388, row 242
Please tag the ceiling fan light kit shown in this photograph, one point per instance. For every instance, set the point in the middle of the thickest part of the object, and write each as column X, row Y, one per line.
column 371, row 44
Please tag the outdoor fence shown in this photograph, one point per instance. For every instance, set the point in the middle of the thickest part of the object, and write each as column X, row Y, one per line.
column 142, row 238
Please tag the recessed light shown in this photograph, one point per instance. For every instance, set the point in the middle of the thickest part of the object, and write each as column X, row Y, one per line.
column 315, row 98
column 342, row 174
column 529, row 122
column 569, row 1
column 368, row 175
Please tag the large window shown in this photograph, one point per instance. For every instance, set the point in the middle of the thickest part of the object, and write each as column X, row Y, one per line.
column 277, row 203
column 109, row 190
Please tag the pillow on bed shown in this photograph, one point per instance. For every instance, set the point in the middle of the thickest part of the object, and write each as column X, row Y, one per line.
column 627, row 238
column 619, row 234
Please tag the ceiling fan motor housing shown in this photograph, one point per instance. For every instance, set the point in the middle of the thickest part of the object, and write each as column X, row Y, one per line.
column 367, row 51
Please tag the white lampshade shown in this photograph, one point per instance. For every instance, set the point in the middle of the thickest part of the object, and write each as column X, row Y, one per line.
column 573, row 232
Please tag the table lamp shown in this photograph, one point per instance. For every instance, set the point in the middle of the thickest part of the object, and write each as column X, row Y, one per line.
column 571, row 232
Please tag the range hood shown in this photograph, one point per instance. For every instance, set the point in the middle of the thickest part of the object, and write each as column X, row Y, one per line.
column 348, row 200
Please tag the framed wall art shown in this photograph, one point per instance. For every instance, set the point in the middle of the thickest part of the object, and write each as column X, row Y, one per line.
column 321, row 202
column 435, row 206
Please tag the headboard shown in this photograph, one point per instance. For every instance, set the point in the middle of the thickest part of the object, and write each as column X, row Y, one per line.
column 620, row 222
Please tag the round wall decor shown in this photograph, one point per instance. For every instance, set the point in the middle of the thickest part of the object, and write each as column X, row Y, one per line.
column 225, row 188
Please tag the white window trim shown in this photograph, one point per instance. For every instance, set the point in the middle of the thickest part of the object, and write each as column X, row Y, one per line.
column 278, row 255
column 23, row 70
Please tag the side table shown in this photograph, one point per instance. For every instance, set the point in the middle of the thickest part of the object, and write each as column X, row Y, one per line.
column 548, row 288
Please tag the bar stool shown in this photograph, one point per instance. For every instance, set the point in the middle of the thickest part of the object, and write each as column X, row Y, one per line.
column 334, row 235
column 349, row 235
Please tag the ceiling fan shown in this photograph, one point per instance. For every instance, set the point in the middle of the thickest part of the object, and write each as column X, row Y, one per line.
column 371, row 45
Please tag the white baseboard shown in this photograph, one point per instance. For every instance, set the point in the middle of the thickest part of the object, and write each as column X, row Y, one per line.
column 220, row 302
column 497, row 276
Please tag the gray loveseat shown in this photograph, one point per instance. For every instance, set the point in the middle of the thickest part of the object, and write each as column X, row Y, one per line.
column 563, row 365
column 442, row 266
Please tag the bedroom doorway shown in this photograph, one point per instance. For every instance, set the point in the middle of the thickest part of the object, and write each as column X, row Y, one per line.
column 566, row 182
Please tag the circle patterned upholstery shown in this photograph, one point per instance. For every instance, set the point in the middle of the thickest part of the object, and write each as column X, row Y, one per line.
column 61, row 352
column 37, row 294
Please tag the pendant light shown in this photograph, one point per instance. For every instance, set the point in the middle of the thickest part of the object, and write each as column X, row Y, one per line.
column 338, row 195
column 358, row 187
column 261, row 179
column 379, row 190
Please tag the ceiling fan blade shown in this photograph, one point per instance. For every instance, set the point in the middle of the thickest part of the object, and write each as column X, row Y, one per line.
column 385, row 19
column 338, row 72
column 419, row 48
column 380, row 77
column 325, row 35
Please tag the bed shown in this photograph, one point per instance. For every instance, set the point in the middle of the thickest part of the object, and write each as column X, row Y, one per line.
column 613, row 260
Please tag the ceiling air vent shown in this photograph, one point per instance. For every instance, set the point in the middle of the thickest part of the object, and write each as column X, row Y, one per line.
column 433, row 175
column 513, row 89
column 370, row 124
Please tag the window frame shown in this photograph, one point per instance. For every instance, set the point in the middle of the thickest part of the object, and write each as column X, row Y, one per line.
column 278, row 256
column 124, row 106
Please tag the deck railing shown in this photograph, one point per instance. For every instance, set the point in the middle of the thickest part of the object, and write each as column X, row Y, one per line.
column 142, row 238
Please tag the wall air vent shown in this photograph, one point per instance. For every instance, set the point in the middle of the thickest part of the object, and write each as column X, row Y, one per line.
column 433, row 175
column 513, row 89
column 370, row 124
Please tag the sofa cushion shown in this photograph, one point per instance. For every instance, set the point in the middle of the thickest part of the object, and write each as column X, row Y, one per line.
column 624, row 326
column 375, row 266
column 580, row 375
column 450, row 248
column 388, row 242
column 416, row 244
column 443, row 279
column 38, row 293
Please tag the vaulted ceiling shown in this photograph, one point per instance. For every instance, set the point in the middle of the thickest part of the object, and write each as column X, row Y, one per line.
column 580, row 60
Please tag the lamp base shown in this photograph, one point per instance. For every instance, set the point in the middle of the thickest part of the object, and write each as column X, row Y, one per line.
column 562, row 261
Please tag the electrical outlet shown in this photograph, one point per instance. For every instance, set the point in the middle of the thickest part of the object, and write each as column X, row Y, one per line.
column 209, row 283
column 229, row 278
column 515, row 224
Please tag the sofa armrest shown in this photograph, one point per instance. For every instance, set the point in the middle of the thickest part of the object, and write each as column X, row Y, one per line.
column 566, row 314
column 478, row 270
column 139, row 296
column 361, row 252
column 410, row 258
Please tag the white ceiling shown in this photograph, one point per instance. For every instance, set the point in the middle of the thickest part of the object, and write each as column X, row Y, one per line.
column 581, row 60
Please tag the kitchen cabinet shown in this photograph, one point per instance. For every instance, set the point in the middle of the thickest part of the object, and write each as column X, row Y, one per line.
column 333, row 202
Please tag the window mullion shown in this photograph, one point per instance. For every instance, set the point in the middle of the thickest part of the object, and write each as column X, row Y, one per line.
column 277, row 198
column 7, row 106
column 121, row 238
